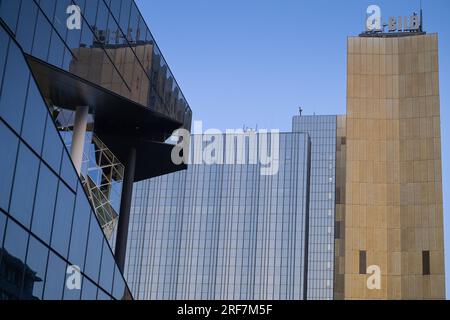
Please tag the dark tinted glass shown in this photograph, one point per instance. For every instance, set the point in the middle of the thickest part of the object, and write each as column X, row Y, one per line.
column 26, row 26
column 94, row 250
column 37, row 264
column 2, row 228
column 42, row 38
column 426, row 262
column 24, row 188
column 53, row 146
column 72, row 293
column 362, row 262
column 68, row 173
column 107, row 269
column 16, row 240
column 337, row 231
column 54, row 283
column 125, row 15
column 102, row 295
column 60, row 17
column 9, row 145
column 90, row 11
column 89, row 291
column 12, row 266
column 4, row 40
column 119, row 285
column 72, row 36
column 56, row 53
column 62, row 222
column 15, row 85
column 48, row 6
column 34, row 120
column 9, row 11
column 80, row 229
column 44, row 204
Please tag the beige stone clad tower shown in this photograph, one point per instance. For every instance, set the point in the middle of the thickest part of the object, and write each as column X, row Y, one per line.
column 393, row 180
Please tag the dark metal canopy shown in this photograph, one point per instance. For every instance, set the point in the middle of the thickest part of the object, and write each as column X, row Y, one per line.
column 119, row 122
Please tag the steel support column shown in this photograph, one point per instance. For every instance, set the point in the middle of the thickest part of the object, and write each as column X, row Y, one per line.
column 125, row 207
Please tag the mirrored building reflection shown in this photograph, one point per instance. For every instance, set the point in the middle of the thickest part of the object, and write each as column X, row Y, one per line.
column 227, row 232
column 84, row 113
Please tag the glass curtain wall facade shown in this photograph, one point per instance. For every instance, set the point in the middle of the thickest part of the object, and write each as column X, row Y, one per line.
column 111, row 67
column 223, row 231
column 322, row 130
column 46, row 221
column 113, row 49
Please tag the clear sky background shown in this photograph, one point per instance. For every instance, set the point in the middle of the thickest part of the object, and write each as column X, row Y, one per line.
column 254, row 62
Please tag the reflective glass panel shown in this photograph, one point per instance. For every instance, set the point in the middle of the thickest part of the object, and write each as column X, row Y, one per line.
column 24, row 188
column 10, row 143
column 27, row 22
column 12, row 266
column 62, row 223
column 34, row 120
column 80, row 229
column 107, row 269
column 37, row 265
column 54, row 282
column 94, row 250
column 89, row 291
column 15, row 85
column 44, row 204
column 53, row 146
column 9, row 11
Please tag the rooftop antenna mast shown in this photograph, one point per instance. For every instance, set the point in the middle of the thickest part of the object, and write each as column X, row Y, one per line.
column 421, row 17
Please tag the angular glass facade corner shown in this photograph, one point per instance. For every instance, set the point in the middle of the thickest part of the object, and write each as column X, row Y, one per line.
column 46, row 221
column 322, row 130
column 52, row 219
column 223, row 231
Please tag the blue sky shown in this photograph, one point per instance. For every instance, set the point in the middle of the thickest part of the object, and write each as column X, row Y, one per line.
column 254, row 62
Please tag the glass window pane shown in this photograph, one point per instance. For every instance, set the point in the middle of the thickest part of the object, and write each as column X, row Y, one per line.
column 102, row 295
column 94, row 251
column 54, row 283
column 72, row 294
column 90, row 11
column 2, row 228
column 89, row 291
column 125, row 15
column 79, row 229
column 119, row 285
column 25, row 28
column 9, row 11
column 4, row 40
column 24, row 185
column 44, row 204
column 37, row 264
column 15, row 83
column 68, row 173
column 53, row 146
column 60, row 17
column 62, row 223
column 56, row 53
column 73, row 38
column 16, row 240
column 35, row 115
column 107, row 269
column 42, row 38
column 48, row 6
column 10, row 143
column 12, row 263
column 2, row 233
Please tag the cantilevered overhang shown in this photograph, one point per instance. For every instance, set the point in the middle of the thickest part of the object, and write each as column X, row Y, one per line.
column 119, row 122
